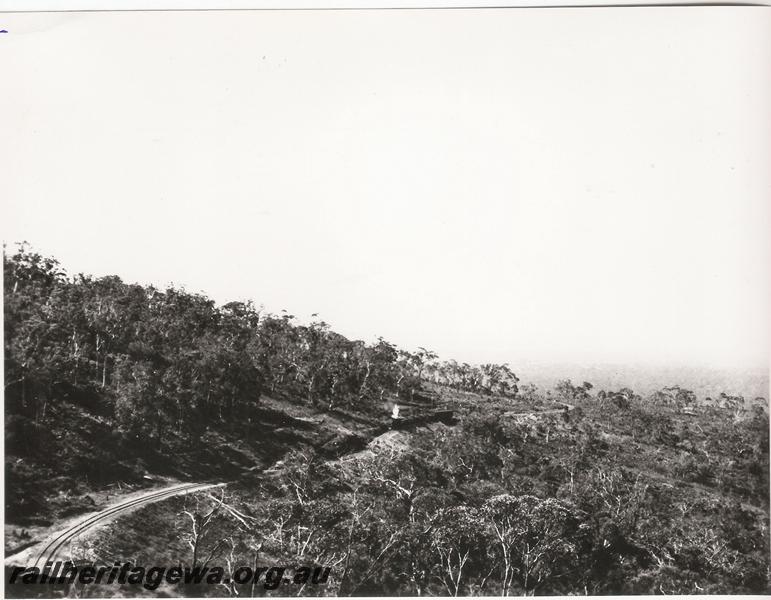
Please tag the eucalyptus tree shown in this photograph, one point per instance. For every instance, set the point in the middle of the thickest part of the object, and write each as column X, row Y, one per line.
column 536, row 542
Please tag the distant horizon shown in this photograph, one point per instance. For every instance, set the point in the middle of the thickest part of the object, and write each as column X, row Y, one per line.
column 705, row 381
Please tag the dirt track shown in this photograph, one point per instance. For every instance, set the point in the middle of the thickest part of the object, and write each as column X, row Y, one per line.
column 555, row 411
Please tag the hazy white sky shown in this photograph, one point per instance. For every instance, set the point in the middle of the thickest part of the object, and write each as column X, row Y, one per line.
column 553, row 185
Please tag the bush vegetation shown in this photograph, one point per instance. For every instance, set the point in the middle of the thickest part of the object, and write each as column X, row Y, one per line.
column 618, row 495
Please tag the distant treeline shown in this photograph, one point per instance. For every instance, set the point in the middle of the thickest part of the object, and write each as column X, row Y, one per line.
column 673, row 396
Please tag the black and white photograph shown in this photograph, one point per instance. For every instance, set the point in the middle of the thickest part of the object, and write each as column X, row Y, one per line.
column 385, row 300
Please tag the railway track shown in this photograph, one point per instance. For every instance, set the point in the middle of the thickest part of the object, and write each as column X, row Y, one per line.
column 53, row 546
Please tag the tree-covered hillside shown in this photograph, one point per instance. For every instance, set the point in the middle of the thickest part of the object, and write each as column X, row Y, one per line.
column 571, row 490
column 147, row 372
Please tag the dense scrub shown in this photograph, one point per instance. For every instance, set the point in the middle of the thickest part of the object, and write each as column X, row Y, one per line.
column 595, row 503
column 621, row 495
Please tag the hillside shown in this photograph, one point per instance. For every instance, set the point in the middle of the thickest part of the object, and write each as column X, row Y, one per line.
column 486, row 486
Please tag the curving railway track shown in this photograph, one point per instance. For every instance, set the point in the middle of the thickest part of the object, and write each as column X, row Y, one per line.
column 52, row 547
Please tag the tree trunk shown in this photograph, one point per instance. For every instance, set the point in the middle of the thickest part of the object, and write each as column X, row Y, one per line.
column 159, row 430
column 254, row 580
column 363, row 387
column 399, row 385
column 96, row 353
